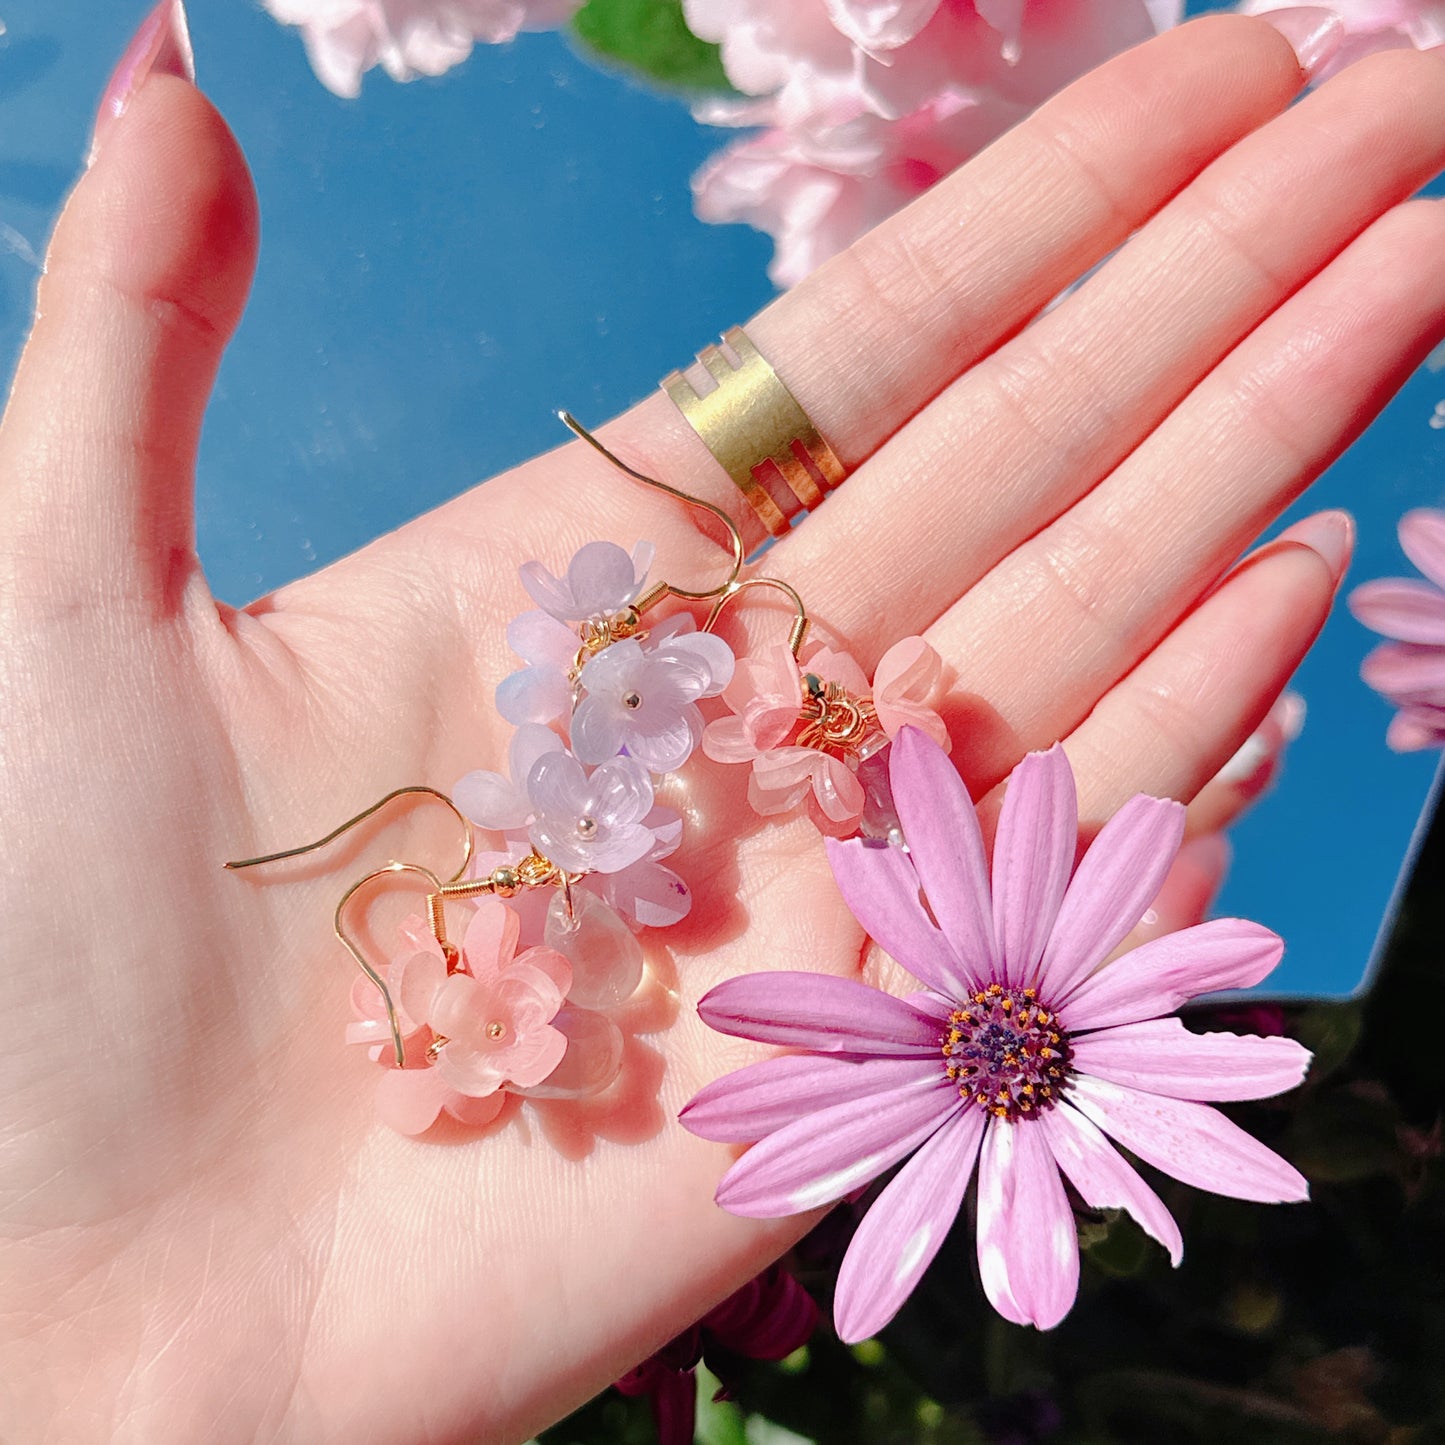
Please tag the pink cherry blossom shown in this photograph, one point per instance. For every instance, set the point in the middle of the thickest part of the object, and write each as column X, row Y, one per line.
column 769, row 729
column 1021, row 1055
column 1410, row 671
column 345, row 38
column 468, row 1032
column 866, row 103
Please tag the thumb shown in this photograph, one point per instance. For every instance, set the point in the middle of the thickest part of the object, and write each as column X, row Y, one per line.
column 146, row 278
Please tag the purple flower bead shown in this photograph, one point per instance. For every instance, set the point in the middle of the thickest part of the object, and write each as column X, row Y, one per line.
column 590, row 823
column 601, row 579
column 643, row 698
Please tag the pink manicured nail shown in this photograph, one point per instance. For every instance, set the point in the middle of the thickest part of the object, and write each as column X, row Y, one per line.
column 1315, row 33
column 162, row 46
column 1331, row 534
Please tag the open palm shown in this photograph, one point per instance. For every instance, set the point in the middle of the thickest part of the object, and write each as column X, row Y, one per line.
column 204, row 1234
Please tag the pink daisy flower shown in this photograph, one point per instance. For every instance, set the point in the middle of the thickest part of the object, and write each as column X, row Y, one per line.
column 1410, row 671
column 1021, row 1056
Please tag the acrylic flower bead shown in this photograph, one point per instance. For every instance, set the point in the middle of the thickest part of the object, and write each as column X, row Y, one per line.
column 468, row 1032
column 1021, row 1055
column 601, row 579
column 643, row 699
column 590, row 822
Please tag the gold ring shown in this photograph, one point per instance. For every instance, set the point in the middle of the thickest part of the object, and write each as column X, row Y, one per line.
column 760, row 436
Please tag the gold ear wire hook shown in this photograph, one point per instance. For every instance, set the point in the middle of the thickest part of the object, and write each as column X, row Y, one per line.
column 664, row 589
column 797, row 633
column 415, row 789
column 354, row 949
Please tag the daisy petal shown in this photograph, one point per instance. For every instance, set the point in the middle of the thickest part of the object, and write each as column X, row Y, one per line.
column 1401, row 607
column 1033, row 855
column 1161, row 1056
column 1028, row 1244
column 821, row 1012
column 881, row 889
column 1117, row 880
column 1191, row 1142
column 1158, row 976
column 1422, row 535
column 762, row 1098
column 946, row 846
column 903, row 1230
column 1406, row 672
column 1415, row 728
column 1104, row 1179
column 823, row 1156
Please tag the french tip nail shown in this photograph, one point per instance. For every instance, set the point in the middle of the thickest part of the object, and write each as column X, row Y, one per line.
column 1315, row 33
column 1329, row 534
column 160, row 46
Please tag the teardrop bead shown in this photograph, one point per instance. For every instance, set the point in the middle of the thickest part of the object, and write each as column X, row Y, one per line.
column 605, row 955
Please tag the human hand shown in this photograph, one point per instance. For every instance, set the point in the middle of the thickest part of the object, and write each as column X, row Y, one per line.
column 204, row 1232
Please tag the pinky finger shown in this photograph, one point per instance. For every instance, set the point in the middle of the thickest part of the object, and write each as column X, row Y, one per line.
column 1187, row 708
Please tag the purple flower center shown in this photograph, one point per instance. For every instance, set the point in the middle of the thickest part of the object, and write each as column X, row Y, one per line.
column 1006, row 1052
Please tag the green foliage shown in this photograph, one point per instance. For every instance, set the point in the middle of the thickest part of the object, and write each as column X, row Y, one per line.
column 651, row 39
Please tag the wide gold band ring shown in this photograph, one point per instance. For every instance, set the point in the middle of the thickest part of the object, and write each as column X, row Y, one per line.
column 757, row 431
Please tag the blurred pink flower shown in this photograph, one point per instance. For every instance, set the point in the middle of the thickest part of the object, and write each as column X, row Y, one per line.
column 468, row 1032
column 345, row 38
column 769, row 727
column 1410, row 671
column 1021, row 1054
column 1369, row 25
column 869, row 102
column 767, row 1319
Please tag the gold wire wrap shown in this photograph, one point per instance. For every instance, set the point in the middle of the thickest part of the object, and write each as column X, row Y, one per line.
column 750, row 420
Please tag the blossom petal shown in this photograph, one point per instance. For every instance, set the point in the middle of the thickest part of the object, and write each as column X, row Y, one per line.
column 1161, row 1056
column 1028, row 1243
column 1191, row 1142
column 820, row 1158
column 541, row 640
column 1115, row 882
column 903, row 1230
column 492, row 801
column 941, row 826
column 746, row 1105
column 821, row 1012
column 1422, row 535
column 1158, row 976
column 491, row 938
column 1402, row 608
column 881, row 888
column 1033, row 855
column 409, row 1100
column 1103, row 1177
column 905, row 686
column 598, row 731
column 534, row 695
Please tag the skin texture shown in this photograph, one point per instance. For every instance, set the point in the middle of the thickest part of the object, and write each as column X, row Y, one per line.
column 203, row 1232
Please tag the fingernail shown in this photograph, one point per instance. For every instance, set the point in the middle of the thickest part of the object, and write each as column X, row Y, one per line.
column 1315, row 33
column 1331, row 534
column 162, row 46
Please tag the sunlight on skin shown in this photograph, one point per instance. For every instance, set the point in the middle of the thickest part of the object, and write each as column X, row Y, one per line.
column 205, row 1233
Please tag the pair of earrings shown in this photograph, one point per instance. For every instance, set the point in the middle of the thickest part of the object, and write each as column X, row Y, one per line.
column 574, row 866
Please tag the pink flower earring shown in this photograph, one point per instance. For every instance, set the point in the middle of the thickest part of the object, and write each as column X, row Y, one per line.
column 607, row 703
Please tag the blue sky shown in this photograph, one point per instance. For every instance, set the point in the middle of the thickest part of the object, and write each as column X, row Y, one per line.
column 444, row 263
